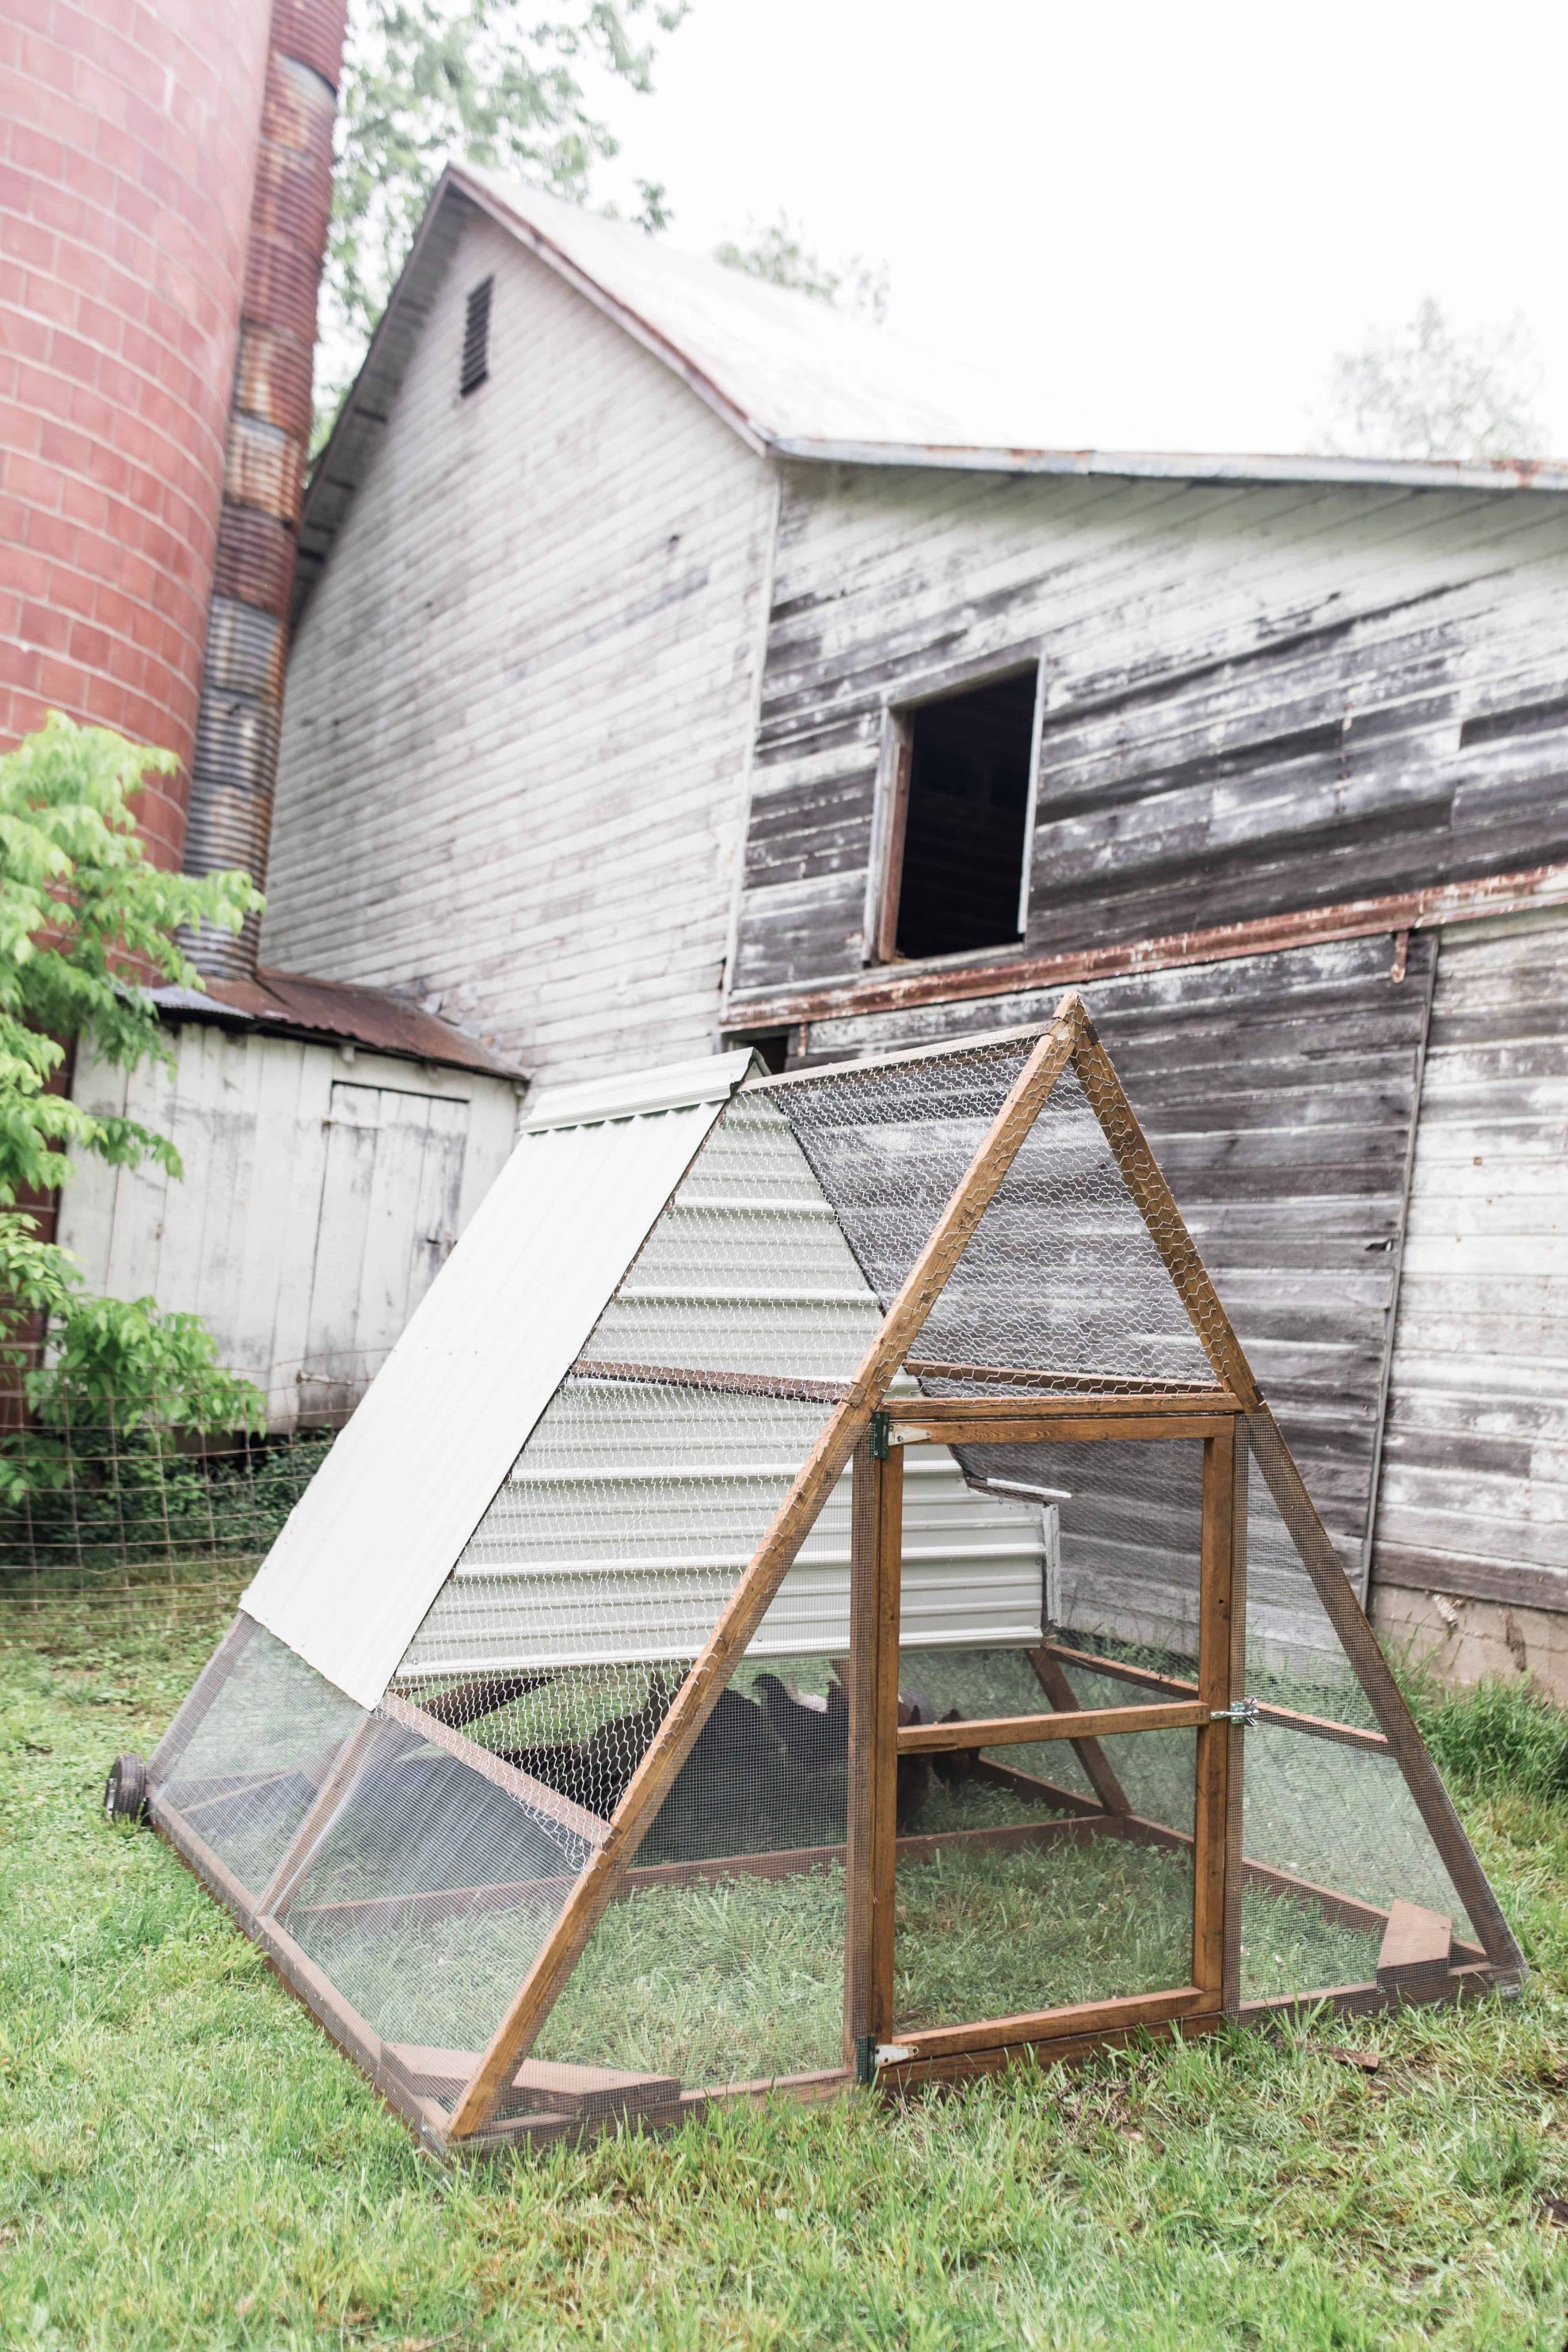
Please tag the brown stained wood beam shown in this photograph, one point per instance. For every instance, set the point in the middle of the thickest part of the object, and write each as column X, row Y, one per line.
column 1418, row 1944
column 1008, row 1730
column 537, row 1796
column 1141, row 1174
column 820, row 1474
column 871, row 1817
column 1090, row 1755
column 1090, row 2017
column 1318, row 1727
column 1318, row 1556
column 1168, row 1396
column 1345, row 2001
column 1222, row 1596
column 954, row 1421
column 682, row 1376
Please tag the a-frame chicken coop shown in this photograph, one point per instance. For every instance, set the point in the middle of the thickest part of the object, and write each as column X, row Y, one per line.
column 817, row 1593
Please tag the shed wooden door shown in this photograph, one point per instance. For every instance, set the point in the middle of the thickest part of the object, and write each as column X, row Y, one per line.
column 389, row 1217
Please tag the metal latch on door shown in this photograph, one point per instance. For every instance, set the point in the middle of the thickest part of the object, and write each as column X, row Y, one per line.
column 1241, row 1710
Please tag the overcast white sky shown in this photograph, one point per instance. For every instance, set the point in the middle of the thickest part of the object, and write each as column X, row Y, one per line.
column 1168, row 218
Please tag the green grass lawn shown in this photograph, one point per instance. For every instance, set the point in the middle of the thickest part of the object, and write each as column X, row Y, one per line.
column 184, row 2160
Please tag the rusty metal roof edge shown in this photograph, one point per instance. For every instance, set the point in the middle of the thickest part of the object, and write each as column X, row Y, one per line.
column 1195, row 465
column 278, row 1004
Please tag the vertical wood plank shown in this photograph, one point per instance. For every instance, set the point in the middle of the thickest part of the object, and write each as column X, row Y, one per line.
column 1230, row 1970
column 860, row 1681
column 889, row 1488
column 1214, row 1691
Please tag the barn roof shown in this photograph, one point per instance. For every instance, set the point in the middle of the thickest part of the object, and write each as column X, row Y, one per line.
column 795, row 377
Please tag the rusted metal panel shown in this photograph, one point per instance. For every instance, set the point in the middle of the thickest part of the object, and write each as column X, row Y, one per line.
column 286, row 1003
column 238, row 731
column 1493, row 894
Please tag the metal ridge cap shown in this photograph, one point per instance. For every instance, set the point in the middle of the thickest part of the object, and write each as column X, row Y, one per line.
column 1510, row 474
column 629, row 1094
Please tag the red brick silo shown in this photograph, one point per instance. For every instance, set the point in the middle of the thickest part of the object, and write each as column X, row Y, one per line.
column 129, row 137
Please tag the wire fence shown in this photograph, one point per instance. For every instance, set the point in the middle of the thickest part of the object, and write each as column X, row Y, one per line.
column 116, row 1496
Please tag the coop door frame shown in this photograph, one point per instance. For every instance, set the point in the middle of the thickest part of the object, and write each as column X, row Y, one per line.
column 877, row 1740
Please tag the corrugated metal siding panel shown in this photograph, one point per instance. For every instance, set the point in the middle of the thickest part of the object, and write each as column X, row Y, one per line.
column 1192, row 637
column 1475, row 1483
column 376, row 1532
column 519, row 707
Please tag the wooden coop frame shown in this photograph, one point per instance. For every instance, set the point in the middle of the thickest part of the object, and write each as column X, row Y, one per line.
column 452, row 2098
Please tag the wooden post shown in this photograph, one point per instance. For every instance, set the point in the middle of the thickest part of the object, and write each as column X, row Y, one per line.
column 726, row 1645
column 1217, row 1687
column 872, row 1827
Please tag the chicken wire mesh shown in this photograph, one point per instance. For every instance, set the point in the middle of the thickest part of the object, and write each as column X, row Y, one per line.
column 1334, row 1813
column 1062, row 1283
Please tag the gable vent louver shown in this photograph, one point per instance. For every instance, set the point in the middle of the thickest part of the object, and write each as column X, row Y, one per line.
column 475, row 365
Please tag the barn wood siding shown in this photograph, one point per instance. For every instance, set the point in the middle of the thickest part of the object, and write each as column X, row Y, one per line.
column 519, row 705
column 238, row 1240
column 1279, row 1094
column 1475, row 1485
column 1257, row 699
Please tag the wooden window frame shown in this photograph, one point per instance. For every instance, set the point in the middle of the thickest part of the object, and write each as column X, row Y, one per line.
column 890, row 809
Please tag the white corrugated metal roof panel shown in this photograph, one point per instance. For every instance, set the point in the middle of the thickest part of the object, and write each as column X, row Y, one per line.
column 367, row 1546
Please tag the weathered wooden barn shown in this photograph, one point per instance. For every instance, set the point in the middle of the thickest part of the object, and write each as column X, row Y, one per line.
column 673, row 666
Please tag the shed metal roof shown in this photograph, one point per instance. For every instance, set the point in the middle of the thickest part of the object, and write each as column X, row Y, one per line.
column 293, row 1005
column 795, row 377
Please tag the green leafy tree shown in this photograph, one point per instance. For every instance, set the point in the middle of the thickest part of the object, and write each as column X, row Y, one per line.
column 779, row 254
column 486, row 81
column 1431, row 389
column 86, row 923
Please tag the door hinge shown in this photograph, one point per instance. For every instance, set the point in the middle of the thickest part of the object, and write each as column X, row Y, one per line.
column 881, row 1436
column 1241, row 1710
column 870, row 2053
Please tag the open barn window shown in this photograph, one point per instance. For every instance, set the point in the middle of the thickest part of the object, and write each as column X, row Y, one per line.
column 955, row 819
column 476, row 366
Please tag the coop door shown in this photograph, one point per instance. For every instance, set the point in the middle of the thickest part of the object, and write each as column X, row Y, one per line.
column 1057, row 1803
column 389, row 1217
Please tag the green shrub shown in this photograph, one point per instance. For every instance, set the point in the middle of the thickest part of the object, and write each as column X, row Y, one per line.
column 1499, row 1733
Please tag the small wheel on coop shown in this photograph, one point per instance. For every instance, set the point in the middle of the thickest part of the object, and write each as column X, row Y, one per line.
column 125, row 1790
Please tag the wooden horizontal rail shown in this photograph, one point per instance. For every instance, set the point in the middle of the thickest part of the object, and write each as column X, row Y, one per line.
column 683, row 1376
column 1107, row 1393
column 1321, row 1727
column 1045, row 2024
column 1008, row 1730
column 949, row 1421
